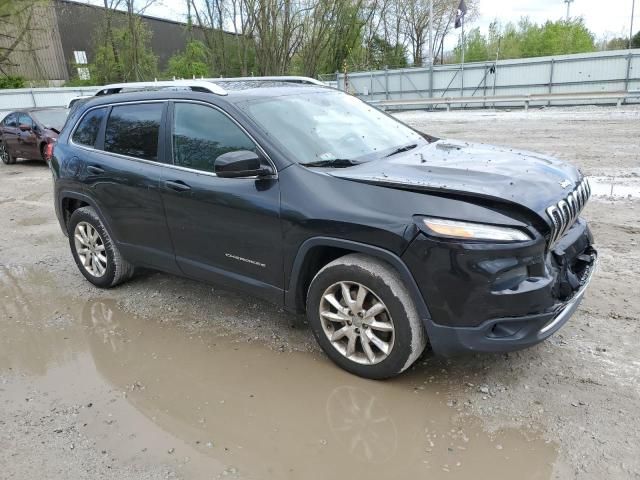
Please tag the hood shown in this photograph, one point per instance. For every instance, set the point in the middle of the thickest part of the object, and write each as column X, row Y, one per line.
column 532, row 180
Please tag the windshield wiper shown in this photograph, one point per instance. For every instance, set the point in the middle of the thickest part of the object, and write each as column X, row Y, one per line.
column 336, row 163
column 406, row 148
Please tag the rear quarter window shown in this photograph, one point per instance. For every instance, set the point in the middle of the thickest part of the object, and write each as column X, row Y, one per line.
column 89, row 127
column 133, row 130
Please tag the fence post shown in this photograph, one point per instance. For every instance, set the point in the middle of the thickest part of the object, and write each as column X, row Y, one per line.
column 386, row 82
column 431, row 79
column 371, row 85
column 486, row 73
column 338, row 79
column 551, row 68
column 626, row 80
column 33, row 98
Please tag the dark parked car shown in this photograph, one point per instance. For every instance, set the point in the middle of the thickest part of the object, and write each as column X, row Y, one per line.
column 26, row 133
column 314, row 200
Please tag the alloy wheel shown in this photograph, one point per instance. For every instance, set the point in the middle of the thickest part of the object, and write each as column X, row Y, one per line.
column 4, row 153
column 357, row 323
column 90, row 249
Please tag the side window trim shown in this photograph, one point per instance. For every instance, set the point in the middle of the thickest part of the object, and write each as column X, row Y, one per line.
column 170, row 131
column 162, row 155
column 99, row 145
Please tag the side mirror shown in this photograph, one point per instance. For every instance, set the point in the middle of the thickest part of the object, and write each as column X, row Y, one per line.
column 242, row 163
column 24, row 127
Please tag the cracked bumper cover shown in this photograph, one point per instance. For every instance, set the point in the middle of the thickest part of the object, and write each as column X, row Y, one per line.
column 483, row 318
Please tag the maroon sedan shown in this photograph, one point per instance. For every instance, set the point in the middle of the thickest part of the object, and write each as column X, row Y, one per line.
column 26, row 133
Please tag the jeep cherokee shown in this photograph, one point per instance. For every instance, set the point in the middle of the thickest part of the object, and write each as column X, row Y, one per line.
column 310, row 198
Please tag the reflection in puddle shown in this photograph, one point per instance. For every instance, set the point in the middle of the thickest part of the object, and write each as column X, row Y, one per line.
column 626, row 187
column 225, row 403
column 363, row 426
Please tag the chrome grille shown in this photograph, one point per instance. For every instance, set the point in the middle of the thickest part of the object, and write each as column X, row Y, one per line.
column 564, row 214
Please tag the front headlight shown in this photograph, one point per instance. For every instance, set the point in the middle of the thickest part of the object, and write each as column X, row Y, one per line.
column 472, row 231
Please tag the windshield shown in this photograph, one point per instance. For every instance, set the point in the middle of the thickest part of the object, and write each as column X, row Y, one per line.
column 51, row 118
column 327, row 126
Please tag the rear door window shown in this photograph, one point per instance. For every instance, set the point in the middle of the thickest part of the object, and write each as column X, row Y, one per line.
column 25, row 120
column 89, row 127
column 133, row 130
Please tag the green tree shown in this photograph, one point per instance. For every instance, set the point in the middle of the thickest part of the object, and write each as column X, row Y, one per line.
column 192, row 61
column 12, row 82
column 617, row 43
column 382, row 53
column 635, row 40
column 527, row 39
column 476, row 47
column 129, row 58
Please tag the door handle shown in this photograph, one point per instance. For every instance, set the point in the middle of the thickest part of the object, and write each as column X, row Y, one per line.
column 177, row 185
column 95, row 170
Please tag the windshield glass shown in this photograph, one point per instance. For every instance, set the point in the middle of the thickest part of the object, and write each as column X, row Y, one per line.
column 321, row 127
column 51, row 118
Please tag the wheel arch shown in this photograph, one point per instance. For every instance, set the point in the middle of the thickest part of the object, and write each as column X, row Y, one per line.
column 41, row 148
column 70, row 201
column 306, row 265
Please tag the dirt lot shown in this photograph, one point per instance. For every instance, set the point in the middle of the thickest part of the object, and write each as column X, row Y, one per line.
column 166, row 378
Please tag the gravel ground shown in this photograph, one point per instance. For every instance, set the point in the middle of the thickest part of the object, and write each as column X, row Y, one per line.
column 167, row 378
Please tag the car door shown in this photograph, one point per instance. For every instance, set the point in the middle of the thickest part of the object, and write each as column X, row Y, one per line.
column 10, row 132
column 27, row 140
column 223, row 229
column 121, row 163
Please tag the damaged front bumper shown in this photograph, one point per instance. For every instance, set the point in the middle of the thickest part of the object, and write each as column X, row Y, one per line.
column 507, row 334
column 513, row 312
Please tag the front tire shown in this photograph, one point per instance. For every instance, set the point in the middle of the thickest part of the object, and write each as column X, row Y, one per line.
column 363, row 317
column 95, row 252
column 5, row 155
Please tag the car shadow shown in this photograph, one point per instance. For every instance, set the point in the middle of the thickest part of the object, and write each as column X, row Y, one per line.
column 31, row 163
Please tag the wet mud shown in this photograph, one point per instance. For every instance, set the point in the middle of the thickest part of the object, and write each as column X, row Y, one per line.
column 211, row 405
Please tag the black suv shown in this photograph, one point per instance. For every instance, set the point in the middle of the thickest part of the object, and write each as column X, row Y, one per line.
column 312, row 199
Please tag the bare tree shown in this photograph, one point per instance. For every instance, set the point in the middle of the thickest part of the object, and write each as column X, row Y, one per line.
column 123, row 52
column 16, row 27
column 278, row 32
column 332, row 29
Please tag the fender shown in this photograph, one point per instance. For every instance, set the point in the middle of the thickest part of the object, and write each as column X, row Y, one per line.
column 63, row 194
column 291, row 295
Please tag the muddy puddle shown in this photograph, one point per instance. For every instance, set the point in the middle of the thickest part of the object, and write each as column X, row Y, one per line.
column 626, row 187
column 150, row 392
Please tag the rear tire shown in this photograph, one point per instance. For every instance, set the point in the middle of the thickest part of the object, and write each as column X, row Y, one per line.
column 94, row 251
column 5, row 155
column 364, row 318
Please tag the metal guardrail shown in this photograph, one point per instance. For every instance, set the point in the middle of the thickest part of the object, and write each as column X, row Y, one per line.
column 526, row 100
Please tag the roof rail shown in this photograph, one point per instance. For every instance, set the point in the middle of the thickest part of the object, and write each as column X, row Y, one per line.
column 206, row 85
column 280, row 78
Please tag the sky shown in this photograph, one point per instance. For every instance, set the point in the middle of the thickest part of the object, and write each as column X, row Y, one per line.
column 604, row 18
column 610, row 17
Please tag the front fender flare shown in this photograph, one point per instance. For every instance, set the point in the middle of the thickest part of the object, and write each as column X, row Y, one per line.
column 292, row 294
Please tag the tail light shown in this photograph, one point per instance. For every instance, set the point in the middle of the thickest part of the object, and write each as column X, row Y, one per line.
column 48, row 151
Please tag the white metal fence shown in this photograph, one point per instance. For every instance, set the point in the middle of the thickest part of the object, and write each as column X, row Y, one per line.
column 593, row 72
column 615, row 71
column 40, row 97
